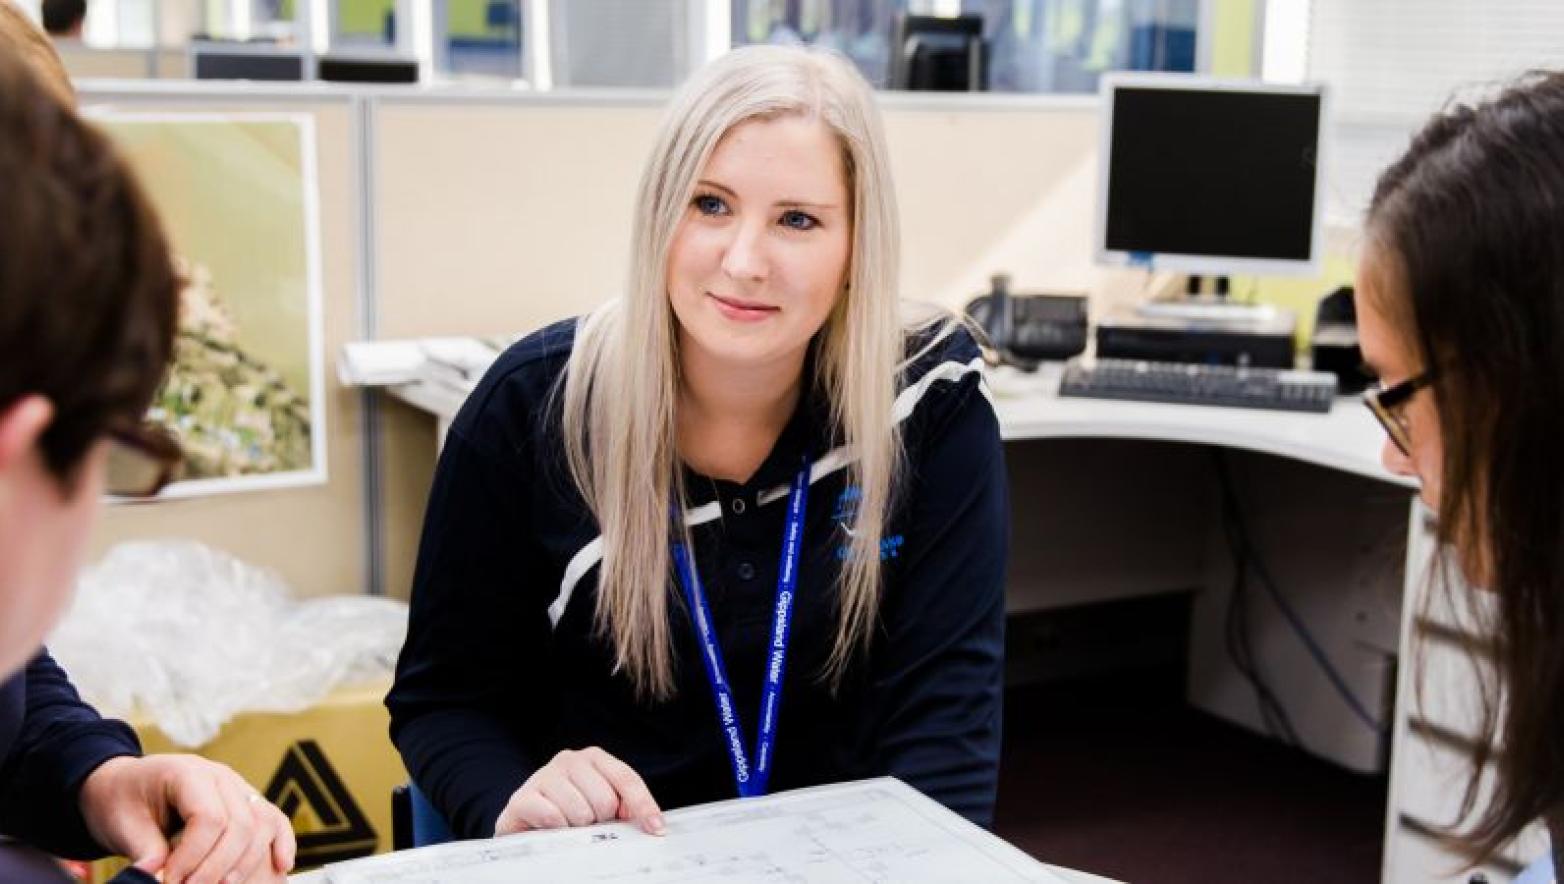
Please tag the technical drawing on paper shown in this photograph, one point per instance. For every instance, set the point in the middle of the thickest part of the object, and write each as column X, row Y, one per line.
column 879, row 830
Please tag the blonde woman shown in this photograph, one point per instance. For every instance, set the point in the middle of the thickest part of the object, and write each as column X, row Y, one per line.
column 742, row 530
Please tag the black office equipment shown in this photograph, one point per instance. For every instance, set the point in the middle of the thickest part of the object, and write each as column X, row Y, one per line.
column 1335, row 341
column 1264, row 340
column 1192, row 384
column 939, row 54
column 1210, row 176
column 244, row 61
column 367, row 69
column 1027, row 328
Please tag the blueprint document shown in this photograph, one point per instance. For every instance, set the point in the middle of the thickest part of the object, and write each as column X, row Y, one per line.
column 868, row 831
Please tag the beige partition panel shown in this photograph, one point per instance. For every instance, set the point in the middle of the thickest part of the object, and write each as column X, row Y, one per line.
column 314, row 535
column 1006, row 188
column 84, row 62
column 172, row 63
column 499, row 214
column 492, row 216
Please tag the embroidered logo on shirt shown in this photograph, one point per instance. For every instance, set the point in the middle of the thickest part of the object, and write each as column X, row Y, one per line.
column 846, row 512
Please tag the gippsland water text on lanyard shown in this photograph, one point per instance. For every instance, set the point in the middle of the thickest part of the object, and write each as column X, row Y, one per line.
column 751, row 781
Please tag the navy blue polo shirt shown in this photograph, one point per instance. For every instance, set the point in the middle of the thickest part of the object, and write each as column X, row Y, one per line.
column 50, row 741
column 502, row 667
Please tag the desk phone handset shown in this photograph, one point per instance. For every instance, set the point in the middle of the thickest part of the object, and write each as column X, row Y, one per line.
column 1026, row 329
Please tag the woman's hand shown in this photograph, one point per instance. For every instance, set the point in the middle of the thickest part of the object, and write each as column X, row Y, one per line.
column 231, row 833
column 579, row 788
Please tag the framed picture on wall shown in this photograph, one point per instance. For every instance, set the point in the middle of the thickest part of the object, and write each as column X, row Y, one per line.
column 238, row 197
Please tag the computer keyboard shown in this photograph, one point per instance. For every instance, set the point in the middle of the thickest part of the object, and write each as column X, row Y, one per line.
column 1192, row 384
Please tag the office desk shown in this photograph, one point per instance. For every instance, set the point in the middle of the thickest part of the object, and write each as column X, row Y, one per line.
column 1347, row 439
column 1347, row 542
column 1120, row 499
column 1141, row 512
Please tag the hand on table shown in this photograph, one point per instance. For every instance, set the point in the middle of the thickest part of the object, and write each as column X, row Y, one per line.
column 579, row 788
column 230, row 833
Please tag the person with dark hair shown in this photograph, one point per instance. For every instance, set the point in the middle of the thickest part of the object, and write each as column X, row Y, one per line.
column 64, row 18
column 88, row 297
column 1460, row 301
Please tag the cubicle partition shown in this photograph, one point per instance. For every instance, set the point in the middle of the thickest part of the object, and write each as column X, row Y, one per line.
column 84, row 62
column 497, row 212
column 313, row 535
column 494, row 212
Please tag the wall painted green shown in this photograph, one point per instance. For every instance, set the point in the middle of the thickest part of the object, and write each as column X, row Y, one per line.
column 1233, row 52
column 363, row 16
column 470, row 18
column 465, row 18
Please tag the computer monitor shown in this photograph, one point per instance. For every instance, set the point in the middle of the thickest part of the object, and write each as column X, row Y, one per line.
column 1207, row 176
column 221, row 60
column 366, row 69
column 939, row 54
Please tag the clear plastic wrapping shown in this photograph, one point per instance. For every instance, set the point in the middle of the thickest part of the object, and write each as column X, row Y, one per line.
column 189, row 636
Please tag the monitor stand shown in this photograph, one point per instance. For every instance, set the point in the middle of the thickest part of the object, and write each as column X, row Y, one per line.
column 1197, row 307
column 1207, row 309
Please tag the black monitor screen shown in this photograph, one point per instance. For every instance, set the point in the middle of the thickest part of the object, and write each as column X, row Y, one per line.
column 1213, row 172
column 367, row 70
column 248, row 66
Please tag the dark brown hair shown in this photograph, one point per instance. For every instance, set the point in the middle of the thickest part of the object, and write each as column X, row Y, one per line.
column 1472, row 218
column 62, row 16
column 88, row 293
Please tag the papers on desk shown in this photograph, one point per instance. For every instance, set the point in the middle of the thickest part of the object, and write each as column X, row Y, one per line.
column 454, row 363
column 873, row 830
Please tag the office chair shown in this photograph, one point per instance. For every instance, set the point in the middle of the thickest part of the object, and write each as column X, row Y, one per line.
column 414, row 821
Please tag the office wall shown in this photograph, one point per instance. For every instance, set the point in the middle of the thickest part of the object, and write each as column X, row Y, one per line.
column 1007, row 187
column 496, row 214
column 82, row 62
column 313, row 536
column 500, row 216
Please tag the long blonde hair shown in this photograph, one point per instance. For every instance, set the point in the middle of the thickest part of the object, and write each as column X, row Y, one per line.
column 621, row 383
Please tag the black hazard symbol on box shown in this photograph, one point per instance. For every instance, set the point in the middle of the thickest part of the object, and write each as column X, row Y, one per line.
column 327, row 822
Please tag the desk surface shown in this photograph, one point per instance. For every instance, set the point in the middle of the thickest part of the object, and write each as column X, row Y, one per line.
column 1029, row 407
column 1347, row 438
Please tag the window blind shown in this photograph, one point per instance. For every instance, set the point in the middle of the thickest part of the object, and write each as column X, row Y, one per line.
column 1391, row 63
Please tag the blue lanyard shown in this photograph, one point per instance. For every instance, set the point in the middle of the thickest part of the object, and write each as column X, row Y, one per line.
column 751, row 782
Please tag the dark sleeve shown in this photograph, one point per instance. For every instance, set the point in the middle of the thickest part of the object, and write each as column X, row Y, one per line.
column 60, row 742
column 938, row 671
column 476, row 638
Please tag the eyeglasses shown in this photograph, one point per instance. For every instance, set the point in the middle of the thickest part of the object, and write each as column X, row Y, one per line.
column 1387, row 404
column 142, row 460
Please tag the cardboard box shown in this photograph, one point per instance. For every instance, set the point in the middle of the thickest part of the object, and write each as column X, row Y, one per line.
column 330, row 768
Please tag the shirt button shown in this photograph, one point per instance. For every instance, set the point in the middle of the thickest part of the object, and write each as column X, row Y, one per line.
column 738, row 506
column 746, row 571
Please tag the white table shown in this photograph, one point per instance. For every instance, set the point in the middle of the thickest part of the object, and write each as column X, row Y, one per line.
column 1346, row 439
